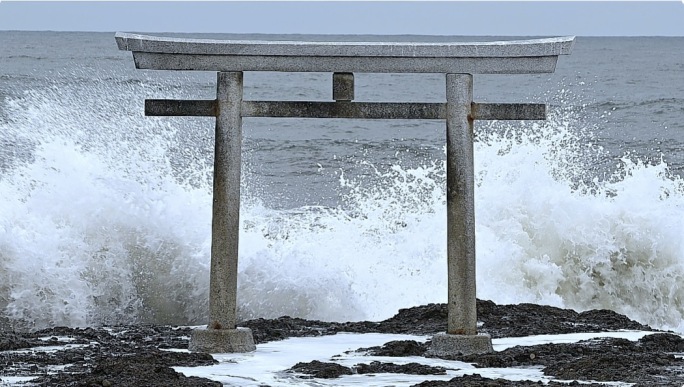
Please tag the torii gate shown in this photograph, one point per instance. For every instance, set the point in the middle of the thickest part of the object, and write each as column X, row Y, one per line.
column 457, row 60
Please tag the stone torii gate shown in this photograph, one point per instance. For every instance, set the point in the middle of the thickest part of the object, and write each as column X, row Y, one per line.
column 458, row 61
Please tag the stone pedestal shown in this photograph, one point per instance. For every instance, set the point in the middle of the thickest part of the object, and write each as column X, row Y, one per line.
column 221, row 340
column 444, row 344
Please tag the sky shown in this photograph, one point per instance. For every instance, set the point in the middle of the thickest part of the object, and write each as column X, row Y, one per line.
column 528, row 18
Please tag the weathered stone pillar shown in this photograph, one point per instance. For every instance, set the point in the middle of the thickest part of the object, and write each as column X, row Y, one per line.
column 461, row 336
column 221, row 334
column 460, row 206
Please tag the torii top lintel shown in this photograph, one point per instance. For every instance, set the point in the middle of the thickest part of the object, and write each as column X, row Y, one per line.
column 500, row 57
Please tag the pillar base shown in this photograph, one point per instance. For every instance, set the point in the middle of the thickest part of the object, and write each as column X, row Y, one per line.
column 444, row 344
column 221, row 340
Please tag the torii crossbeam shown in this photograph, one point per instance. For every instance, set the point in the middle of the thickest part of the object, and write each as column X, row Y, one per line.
column 458, row 61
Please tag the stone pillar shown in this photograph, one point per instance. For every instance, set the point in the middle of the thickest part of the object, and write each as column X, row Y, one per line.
column 221, row 334
column 461, row 336
column 460, row 206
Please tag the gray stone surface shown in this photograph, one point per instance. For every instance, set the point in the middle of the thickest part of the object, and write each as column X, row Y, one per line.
column 360, row 110
column 513, row 65
column 460, row 206
column 444, row 344
column 499, row 49
column 225, row 227
column 508, row 111
column 504, row 57
column 221, row 340
column 178, row 107
column 343, row 87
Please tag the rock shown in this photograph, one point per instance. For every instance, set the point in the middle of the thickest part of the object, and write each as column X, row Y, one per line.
column 398, row 348
column 476, row 380
column 410, row 369
column 10, row 341
column 318, row 369
column 131, row 355
column 663, row 341
column 479, row 381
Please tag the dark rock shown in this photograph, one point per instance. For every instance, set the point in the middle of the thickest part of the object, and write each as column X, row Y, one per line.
column 662, row 341
column 131, row 355
column 625, row 364
column 398, row 348
column 608, row 359
column 421, row 320
column 410, row 369
column 151, row 368
column 498, row 321
column 318, row 369
column 531, row 319
column 475, row 380
column 479, row 381
column 128, row 356
column 10, row 341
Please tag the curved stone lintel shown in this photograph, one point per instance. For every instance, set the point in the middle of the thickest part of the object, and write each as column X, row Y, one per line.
column 501, row 57
column 499, row 49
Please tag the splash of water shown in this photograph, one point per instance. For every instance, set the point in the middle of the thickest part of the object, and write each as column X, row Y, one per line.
column 105, row 219
column 612, row 243
column 94, row 226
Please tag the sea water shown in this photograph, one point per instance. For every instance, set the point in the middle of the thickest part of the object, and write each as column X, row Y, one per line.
column 105, row 214
column 267, row 364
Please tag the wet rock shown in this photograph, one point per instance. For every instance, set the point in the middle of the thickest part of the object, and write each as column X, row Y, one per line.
column 265, row 330
column 498, row 321
column 531, row 319
column 398, row 348
column 410, row 369
column 605, row 360
column 667, row 342
column 119, row 356
column 624, row 365
column 10, row 341
column 421, row 320
column 608, row 319
column 131, row 355
column 148, row 368
column 476, row 380
column 318, row 369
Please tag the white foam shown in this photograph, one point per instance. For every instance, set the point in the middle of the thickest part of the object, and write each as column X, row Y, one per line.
column 48, row 348
column 267, row 363
column 105, row 219
column 15, row 380
column 60, row 339
column 569, row 338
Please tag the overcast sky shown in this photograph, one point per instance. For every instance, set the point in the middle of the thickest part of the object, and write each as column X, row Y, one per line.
column 582, row 18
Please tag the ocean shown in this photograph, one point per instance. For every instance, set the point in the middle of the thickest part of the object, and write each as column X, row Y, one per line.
column 105, row 214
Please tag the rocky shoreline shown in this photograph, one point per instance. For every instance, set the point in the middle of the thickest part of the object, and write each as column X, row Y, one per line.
column 139, row 356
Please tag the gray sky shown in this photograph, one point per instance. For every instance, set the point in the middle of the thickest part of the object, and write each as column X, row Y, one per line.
column 583, row 18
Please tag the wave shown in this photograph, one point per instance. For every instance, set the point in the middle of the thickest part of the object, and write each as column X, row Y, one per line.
column 105, row 219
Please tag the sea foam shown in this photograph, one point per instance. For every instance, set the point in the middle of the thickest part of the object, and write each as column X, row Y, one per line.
column 105, row 219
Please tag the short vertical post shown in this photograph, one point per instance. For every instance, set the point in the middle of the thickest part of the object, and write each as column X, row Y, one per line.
column 461, row 336
column 343, row 87
column 221, row 334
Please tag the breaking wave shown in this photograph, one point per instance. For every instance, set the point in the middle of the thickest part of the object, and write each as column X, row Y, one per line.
column 105, row 219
